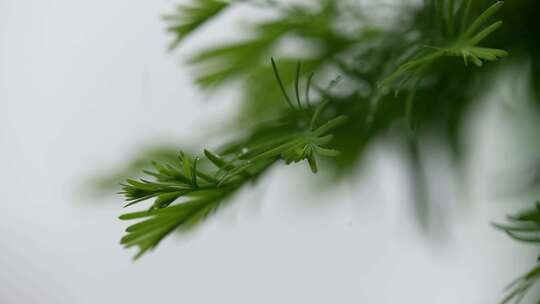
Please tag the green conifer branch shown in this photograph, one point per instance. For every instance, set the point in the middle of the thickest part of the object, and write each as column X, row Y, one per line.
column 189, row 18
column 187, row 191
column 464, row 45
column 190, row 188
column 523, row 227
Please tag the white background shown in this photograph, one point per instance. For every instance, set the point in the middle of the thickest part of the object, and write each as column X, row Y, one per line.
column 84, row 84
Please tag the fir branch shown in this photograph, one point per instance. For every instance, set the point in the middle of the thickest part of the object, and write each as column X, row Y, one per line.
column 190, row 179
column 218, row 64
column 189, row 18
column 184, row 193
column 465, row 45
column 524, row 227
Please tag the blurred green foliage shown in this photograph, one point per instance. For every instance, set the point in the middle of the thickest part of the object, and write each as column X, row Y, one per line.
column 411, row 69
